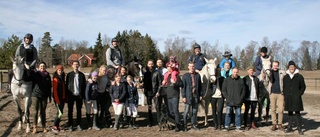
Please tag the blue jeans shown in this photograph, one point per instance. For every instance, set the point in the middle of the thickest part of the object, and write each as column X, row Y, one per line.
column 194, row 113
column 237, row 117
column 173, row 104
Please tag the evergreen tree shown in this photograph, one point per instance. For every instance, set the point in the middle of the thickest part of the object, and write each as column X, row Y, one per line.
column 98, row 52
column 8, row 50
column 46, row 51
column 306, row 62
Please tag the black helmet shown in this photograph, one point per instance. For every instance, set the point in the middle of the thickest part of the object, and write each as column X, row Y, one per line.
column 114, row 40
column 196, row 45
column 264, row 50
column 28, row 36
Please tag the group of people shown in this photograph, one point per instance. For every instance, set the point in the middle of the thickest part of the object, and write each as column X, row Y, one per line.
column 163, row 85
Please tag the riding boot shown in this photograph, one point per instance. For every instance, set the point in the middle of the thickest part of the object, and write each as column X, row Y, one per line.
column 299, row 122
column 95, row 122
column 177, row 127
column 88, row 120
column 289, row 129
column 185, row 128
column 129, row 122
column 133, row 120
column 108, row 121
column 116, row 122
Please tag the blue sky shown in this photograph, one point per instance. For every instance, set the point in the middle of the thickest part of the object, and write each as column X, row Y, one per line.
column 230, row 22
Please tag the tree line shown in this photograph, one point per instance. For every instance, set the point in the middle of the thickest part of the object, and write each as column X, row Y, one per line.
column 134, row 44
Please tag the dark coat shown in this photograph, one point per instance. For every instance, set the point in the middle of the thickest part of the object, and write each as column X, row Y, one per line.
column 118, row 92
column 41, row 85
column 91, row 91
column 173, row 91
column 248, row 82
column 132, row 97
column 70, row 86
column 187, row 88
column 147, row 83
column 293, row 89
column 233, row 90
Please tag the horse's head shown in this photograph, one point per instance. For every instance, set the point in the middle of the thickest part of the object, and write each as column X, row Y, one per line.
column 266, row 67
column 135, row 68
column 18, row 67
column 211, row 69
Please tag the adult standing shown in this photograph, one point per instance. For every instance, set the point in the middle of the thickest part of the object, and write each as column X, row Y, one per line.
column 293, row 88
column 160, row 91
column 258, row 61
column 252, row 91
column 76, row 86
column 217, row 102
column 114, row 55
column 233, row 89
column 191, row 95
column 148, row 89
column 276, row 96
column 197, row 58
column 40, row 95
column 173, row 94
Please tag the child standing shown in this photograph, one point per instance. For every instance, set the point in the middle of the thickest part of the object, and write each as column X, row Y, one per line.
column 132, row 102
column 91, row 100
column 173, row 63
column 118, row 97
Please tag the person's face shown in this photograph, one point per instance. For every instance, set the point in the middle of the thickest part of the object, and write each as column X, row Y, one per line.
column 42, row 67
column 159, row 63
column 115, row 44
column 59, row 71
column 123, row 71
column 191, row 68
column 275, row 66
column 129, row 80
column 292, row 68
column 117, row 79
column 103, row 71
column 197, row 51
column 150, row 64
column 94, row 78
column 262, row 54
column 75, row 65
column 235, row 73
column 250, row 72
column 227, row 66
column 27, row 41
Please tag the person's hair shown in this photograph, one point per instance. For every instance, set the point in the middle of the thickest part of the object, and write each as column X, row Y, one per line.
column 227, row 62
column 160, row 59
column 235, row 68
column 276, row 62
column 76, row 61
column 129, row 76
column 101, row 67
column 124, row 68
column 150, row 60
column 191, row 63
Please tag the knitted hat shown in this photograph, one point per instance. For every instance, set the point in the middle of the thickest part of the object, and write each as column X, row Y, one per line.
column 59, row 67
column 291, row 63
column 94, row 74
column 264, row 50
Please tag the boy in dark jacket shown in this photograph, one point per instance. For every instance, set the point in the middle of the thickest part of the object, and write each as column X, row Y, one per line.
column 132, row 102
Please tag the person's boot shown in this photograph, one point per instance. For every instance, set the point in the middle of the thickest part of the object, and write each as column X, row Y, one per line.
column 88, row 121
column 34, row 129
column 108, row 122
column 116, row 122
column 289, row 129
column 274, row 127
column 134, row 123
column 129, row 122
column 216, row 126
column 177, row 128
column 280, row 127
column 253, row 126
column 299, row 122
column 121, row 121
column 95, row 116
column 185, row 128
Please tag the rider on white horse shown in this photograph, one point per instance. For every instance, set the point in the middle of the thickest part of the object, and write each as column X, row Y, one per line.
column 198, row 58
column 258, row 62
column 27, row 51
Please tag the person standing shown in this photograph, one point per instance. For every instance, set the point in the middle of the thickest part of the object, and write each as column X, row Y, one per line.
column 276, row 96
column 191, row 95
column 148, row 90
column 91, row 94
column 40, row 95
column 59, row 95
column 114, row 56
column 293, row 88
column 251, row 97
column 197, row 58
column 76, row 86
column 217, row 102
column 233, row 89
column 161, row 94
column 132, row 102
column 117, row 93
column 173, row 94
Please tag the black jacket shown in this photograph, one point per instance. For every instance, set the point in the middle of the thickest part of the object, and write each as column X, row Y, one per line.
column 41, row 85
column 174, row 91
column 233, row 90
column 147, row 83
column 70, row 86
column 103, row 83
column 132, row 96
column 187, row 87
column 118, row 92
column 293, row 89
column 248, row 82
column 157, row 79
column 91, row 91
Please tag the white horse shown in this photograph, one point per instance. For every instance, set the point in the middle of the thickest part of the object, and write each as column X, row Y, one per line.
column 21, row 88
column 264, row 93
column 208, row 76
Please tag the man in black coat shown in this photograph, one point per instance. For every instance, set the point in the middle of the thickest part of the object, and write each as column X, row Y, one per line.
column 233, row 90
column 76, row 86
column 293, row 88
column 191, row 95
column 148, row 89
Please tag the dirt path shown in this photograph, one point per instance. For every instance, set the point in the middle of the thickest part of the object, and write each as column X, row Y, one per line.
column 8, row 123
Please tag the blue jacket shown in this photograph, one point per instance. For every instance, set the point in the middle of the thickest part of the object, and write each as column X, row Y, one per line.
column 258, row 65
column 232, row 63
column 133, row 96
column 223, row 73
column 198, row 61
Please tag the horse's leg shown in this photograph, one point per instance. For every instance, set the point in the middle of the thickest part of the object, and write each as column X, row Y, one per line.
column 206, row 107
column 267, row 108
column 17, row 102
column 27, row 113
column 260, row 107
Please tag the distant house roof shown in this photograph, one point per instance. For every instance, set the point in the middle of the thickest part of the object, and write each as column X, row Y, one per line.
column 89, row 56
column 74, row 57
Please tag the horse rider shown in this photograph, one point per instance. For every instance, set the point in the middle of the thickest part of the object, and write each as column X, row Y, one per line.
column 227, row 58
column 197, row 58
column 114, row 56
column 258, row 62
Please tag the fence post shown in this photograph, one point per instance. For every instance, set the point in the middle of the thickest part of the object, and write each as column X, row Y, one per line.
column 0, row 81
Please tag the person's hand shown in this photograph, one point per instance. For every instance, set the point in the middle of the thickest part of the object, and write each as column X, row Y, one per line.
column 184, row 100
column 197, row 71
column 116, row 66
column 200, row 98
column 89, row 102
column 113, row 83
column 90, row 81
column 172, row 81
column 157, row 94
